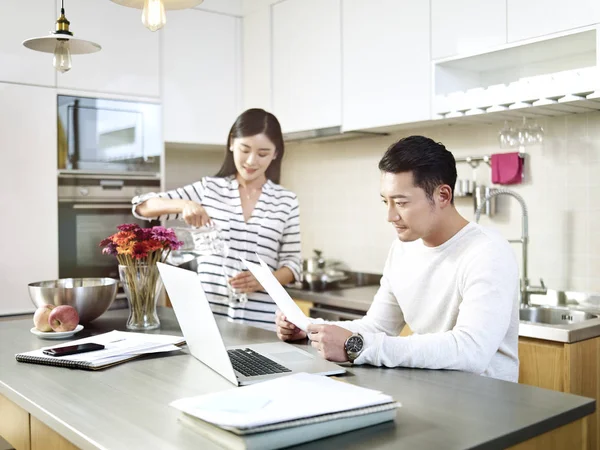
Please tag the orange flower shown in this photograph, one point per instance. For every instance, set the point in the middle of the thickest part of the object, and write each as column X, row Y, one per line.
column 126, row 249
column 122, row 238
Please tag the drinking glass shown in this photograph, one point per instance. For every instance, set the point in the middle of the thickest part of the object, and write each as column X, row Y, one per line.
column 231, row 268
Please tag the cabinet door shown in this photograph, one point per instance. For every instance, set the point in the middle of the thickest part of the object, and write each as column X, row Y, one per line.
column 532, row 18
column 464, row 26
column 201, row 76
column 307, row 64
column 257, row 59
column 17, row 63
column 386, row 63
column 29, row 192
column 128, row 63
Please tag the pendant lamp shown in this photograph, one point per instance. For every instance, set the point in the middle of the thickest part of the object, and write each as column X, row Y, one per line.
column 62, row 43
column 153, row 14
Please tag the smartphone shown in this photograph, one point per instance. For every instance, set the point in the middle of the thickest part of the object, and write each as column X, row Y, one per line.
column 73, row 349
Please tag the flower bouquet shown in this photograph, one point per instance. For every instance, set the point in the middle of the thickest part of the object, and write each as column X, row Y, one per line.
column 138, row 250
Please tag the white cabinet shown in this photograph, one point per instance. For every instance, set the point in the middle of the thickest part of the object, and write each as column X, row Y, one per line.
column 307, row 64
column 257, row 59
column 201, row 59
column 128, row 63
column 29, row 225
column 386, row 63
column 17, row 63
column 532, row 18
column 465, row 26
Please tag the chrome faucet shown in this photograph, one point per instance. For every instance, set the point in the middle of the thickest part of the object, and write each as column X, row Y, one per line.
column 526, row 290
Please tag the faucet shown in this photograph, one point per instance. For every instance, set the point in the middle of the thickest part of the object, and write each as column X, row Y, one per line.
column 525, row 289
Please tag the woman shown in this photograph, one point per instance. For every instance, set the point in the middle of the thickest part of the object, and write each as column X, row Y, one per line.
column 254, row 214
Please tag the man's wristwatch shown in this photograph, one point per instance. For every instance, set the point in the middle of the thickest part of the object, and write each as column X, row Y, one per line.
column 354, row 346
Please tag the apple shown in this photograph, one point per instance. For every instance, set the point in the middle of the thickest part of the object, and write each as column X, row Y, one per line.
column 40, row 317
column 63, row 318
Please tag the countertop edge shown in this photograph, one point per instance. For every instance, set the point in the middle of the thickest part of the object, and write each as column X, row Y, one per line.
column 54, row 423
column 540, row 428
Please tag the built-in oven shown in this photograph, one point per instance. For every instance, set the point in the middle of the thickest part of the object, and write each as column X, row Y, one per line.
column 108, row 136
column 89, row 209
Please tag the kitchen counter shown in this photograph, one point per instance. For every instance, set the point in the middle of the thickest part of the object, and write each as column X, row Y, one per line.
column 360, row 299
column 126, row 406
column 357, row 299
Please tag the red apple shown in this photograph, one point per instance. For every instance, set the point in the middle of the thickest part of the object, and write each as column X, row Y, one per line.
column 63, row 318
column 40, row 317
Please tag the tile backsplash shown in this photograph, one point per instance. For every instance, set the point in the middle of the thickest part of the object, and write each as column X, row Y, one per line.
column 342, row 214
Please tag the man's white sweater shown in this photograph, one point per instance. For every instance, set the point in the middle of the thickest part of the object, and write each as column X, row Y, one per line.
column 460, row 299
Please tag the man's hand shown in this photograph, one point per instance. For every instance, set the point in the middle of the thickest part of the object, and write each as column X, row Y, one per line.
column 329, row 340
column 287, row 331
column 245, row 282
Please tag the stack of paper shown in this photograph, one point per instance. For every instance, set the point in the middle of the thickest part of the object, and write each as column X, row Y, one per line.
column 119, row 346
column 285, row 411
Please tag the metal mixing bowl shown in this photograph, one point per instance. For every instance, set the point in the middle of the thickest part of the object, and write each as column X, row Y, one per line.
column 91, row 297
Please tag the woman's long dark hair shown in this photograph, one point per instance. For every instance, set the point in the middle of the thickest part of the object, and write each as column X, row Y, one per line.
column 250, row 123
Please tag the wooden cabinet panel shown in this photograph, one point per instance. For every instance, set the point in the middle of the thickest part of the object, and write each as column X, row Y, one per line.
column 572, row 436
column 542, row 364
column 571, row 368
column 14, row 424
column 44, row 438
column 305, row 306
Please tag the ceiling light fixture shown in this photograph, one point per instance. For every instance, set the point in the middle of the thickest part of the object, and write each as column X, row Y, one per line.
column 62, row 43
column 153, row 14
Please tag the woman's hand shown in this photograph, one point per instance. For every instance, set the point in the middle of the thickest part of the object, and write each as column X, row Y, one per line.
column 245, row 282
column 194, row 214
column 287, row 331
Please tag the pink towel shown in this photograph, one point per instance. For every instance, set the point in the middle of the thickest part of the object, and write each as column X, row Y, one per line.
column 507, row 168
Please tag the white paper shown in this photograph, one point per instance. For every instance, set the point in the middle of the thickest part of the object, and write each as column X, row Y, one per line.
column 279, row 295
column 281, row 399
column 118, row 345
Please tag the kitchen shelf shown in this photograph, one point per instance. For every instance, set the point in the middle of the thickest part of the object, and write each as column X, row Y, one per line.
column 548, row 76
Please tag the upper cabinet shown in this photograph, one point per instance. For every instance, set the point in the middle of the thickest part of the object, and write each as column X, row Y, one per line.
column 533, row 18
column 307, row 64
column 201, row 61
column 24, row 19
column 386, row 63
column 128, row 63
column 257, row 59
column 465, row 26
column 28, row 184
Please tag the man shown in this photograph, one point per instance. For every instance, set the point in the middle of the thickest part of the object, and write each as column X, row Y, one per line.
column 454, row 283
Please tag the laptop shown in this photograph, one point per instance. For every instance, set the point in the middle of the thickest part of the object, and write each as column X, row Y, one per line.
column 242, row 364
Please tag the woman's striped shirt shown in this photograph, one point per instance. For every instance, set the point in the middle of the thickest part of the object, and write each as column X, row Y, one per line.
column 273, row 232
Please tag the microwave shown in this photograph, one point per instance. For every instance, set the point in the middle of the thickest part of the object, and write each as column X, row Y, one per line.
column 108, row 136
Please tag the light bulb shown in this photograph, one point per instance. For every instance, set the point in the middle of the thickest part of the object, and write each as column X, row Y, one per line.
column 62, row 56
column 153, row 15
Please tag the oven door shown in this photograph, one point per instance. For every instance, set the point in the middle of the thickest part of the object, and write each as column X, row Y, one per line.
column 81, row 228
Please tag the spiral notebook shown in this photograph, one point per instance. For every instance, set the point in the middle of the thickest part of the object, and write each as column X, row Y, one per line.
column 285, row 411
column 120, row 346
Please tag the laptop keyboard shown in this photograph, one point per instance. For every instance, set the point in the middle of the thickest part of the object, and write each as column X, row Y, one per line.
column 252, row 364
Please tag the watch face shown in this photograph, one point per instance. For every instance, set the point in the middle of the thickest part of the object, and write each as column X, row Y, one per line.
column 354, row 344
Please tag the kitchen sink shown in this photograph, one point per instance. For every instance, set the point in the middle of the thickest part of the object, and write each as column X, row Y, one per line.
column 554, row 316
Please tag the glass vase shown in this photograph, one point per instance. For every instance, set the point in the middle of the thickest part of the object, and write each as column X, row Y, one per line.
column 142, row 285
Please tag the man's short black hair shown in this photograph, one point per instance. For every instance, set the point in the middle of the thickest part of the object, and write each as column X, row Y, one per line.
column 429, row 161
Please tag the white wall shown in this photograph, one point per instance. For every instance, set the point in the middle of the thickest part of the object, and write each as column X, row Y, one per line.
column 341, row 212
